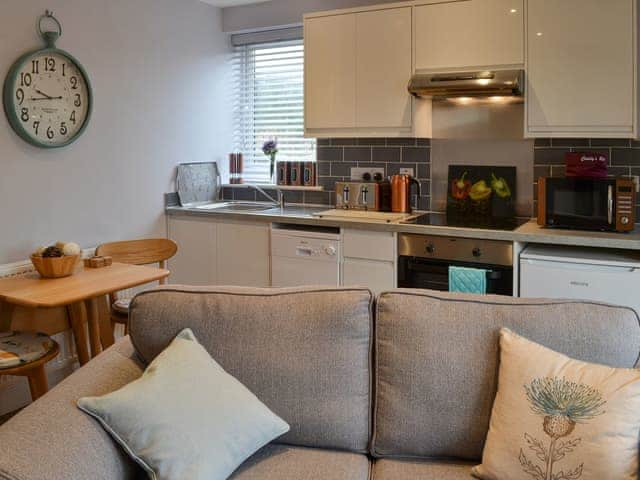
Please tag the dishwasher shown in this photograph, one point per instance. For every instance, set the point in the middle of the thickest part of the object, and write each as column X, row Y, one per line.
column 305, row 256
column 610, row 276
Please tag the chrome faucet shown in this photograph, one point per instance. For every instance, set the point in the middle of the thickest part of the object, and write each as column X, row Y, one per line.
column 279, row 202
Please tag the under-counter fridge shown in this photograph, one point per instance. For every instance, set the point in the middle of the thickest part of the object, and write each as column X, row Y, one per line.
column 611, row 276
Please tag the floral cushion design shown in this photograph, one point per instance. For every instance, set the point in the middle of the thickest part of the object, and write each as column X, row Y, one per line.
column 556, row 418
column 19, row 348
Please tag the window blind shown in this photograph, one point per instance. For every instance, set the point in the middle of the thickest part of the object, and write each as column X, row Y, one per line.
column 269, row 104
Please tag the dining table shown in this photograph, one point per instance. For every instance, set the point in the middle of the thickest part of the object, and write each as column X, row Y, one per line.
column 84, row 295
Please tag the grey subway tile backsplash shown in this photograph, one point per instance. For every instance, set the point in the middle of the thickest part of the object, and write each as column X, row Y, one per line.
column 386, row 154
column 357, row 154
column 402, row 141
column 330, row 154
column 416, row 154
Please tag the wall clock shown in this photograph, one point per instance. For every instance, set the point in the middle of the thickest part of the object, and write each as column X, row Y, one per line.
column 47, row 94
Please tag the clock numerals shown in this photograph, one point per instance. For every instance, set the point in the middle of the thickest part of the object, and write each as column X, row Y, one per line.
column 72, row 118
column 25, row 79
column 63, row 128
column 50, row 133
column 35, row 67
column 49, row 64
column 77, row 102
column 64, row 68
column 36, row 126
column 20, row 96
column 74, row 82
column 24, row 114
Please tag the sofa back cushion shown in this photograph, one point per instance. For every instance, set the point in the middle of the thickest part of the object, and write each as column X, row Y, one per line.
column 305, row 352
column 437, row 362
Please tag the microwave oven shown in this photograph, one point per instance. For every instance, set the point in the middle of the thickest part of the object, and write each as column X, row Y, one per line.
column 605, row 204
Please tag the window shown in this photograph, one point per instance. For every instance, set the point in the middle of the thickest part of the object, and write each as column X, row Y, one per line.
column 270, row 105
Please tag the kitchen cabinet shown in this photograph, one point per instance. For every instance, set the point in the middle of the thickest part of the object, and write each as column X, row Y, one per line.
column 369, row 259
column 214, row 252
column 469, row 34
column 357, row 68
column 581, row 68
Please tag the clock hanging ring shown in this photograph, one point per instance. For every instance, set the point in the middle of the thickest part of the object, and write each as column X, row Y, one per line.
column 47, row 94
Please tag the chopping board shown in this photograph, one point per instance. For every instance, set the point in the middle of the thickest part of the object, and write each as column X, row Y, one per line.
column 361, row 215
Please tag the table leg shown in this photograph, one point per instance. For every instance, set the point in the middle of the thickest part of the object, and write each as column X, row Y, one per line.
column 104, row 321
column 37, row 382
column 94, row 327
column 78, row 318
column 6, row 315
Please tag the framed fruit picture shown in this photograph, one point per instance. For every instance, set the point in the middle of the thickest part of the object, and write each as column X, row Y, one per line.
column 481, row 195
column 47, row 94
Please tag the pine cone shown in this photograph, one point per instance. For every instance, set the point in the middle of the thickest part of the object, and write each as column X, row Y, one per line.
column 50, row 252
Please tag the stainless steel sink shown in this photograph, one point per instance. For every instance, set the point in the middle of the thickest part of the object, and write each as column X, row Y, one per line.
column 235, row 206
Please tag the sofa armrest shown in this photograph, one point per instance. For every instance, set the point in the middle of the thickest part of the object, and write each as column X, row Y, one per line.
column 53, row 439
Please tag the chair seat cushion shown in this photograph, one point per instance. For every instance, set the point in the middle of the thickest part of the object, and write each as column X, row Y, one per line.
column 282, row 462
column 420, row 470
column 20, row 348
column 121, row 306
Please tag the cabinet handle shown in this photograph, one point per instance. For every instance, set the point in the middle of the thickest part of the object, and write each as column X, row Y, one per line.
column 610, row 204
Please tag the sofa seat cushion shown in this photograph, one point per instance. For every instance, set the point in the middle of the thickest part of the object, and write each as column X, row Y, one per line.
column 282, row 462
column 388, row 469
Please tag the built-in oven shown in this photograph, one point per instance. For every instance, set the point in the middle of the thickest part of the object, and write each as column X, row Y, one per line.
column 424, row 261
column 606, row 204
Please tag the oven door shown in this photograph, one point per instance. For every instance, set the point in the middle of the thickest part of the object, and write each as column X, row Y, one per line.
column 581, row 203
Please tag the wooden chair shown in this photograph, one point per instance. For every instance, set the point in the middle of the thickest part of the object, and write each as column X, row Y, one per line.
column 136, row 252
column 25, row 355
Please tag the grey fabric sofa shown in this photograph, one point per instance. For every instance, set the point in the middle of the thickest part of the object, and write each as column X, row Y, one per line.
column 395, row 389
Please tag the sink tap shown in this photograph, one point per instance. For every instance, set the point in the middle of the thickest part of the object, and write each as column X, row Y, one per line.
column 279, row 202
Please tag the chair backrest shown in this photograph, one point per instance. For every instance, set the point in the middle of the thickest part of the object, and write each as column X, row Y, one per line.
column 139, row 252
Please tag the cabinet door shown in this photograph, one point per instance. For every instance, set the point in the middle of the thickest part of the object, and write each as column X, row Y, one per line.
column 580, row 68
column 195, row 261
column 383, row 68
column 243, row 254
column 378, row 276
column 330, row 72
column 469, row 34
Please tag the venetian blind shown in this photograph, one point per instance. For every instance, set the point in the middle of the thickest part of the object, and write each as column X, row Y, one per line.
column 269, row 104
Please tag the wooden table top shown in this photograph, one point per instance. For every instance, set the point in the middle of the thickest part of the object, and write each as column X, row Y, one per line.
column 33, row 291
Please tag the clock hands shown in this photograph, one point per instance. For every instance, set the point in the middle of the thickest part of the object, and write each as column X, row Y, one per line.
column 46, row 97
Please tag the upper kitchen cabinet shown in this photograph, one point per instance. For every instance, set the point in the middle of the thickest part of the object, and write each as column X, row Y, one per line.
column 357, row 68
column 581, row 68
column 468, row 35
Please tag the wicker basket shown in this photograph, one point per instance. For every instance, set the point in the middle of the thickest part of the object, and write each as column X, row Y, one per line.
column 55, row 267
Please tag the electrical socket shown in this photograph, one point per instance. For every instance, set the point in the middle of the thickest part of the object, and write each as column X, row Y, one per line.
column 406, row 171
column 357, row 173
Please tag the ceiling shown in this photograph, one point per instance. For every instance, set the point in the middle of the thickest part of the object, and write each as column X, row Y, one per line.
column 231, row 3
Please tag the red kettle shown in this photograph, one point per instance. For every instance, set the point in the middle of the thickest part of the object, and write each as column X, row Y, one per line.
column 401, row 192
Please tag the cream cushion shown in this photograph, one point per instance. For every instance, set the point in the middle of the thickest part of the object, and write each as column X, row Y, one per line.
column 555, row 418
column 186, row 417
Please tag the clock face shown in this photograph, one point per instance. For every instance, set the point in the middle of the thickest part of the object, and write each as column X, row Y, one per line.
column 50, row 99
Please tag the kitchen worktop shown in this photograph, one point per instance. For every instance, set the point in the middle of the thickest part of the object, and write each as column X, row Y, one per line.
column 530, row 232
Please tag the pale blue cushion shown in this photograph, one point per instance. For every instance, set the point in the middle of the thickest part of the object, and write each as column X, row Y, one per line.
column 185, row 417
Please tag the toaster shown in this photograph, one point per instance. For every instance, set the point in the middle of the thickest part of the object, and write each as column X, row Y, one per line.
column 360, row 196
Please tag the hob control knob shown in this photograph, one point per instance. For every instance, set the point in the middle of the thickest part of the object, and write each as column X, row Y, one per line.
column 624, row 220
column 431, row 248
column 329, row 250
column 477, row 252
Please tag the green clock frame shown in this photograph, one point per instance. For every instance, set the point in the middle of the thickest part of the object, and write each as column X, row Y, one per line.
column 12, row 77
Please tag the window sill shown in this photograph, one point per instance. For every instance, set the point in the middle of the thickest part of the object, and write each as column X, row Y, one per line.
column 271, row 186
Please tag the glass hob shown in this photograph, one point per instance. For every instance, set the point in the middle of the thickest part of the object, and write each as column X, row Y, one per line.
column 441, row 220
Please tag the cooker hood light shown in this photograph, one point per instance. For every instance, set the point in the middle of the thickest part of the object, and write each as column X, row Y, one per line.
column 484, row 84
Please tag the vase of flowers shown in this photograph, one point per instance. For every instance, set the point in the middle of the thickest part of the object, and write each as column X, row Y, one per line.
column 270, row 149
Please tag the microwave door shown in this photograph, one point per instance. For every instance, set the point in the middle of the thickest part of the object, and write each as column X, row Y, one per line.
column 580, row 203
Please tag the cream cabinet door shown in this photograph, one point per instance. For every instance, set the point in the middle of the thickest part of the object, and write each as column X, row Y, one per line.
column 383, row 68
column 469, row 34
column 195, row 261
column 243, row 254
column 330, row 72
column 581, row 68
column 377, row 276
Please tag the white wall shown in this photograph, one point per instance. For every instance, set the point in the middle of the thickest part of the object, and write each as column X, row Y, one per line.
column 278, row 13
column 158, row 69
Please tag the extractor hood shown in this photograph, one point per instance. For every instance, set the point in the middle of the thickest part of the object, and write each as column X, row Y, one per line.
column 498, row 83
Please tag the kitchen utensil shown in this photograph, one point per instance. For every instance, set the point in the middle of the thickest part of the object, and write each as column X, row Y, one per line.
column 357, row 196
column 401, row 192
column 198, row 183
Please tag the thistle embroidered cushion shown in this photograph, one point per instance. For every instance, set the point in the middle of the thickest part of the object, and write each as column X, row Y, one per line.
column 186, row 417
column 556, row 418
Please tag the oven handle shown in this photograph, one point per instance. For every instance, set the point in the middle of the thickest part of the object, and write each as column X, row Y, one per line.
column 610, row 204
column 417, row 266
